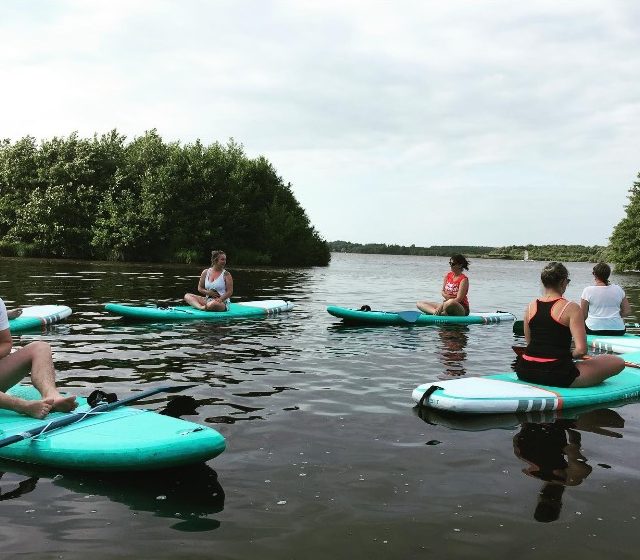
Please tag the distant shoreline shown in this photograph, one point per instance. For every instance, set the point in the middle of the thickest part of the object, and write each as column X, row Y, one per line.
column 571, row 253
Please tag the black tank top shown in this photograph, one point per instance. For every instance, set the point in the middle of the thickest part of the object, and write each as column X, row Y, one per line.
column 549, row 338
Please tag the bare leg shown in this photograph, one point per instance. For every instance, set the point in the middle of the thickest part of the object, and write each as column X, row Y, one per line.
column 428, row 307
column 35, row 357
column 597, row 369
column 14, row 313
column 215, row 306
column 452, row 307
column 195, row 301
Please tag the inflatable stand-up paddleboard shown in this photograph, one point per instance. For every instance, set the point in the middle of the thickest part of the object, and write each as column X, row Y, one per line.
column 504, row 392
column 242, row 310
column 511, row 421
column 612, row 344
column 122, row 439
column 38, row 316
column 379, row 318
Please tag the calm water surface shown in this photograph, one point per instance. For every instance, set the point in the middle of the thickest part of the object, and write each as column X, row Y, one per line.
column 326, row 456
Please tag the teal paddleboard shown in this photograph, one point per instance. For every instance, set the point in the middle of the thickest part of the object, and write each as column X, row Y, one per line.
column 123, row 439
column 379, row 318
column 38, row 316
column 504, row 392
column 249, row 309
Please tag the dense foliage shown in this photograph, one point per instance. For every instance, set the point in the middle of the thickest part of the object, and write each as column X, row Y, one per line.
column 570, row 253
column 625, row 240
column 147, row 200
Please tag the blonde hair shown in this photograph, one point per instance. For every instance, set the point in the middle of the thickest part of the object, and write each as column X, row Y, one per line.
column 215, row 254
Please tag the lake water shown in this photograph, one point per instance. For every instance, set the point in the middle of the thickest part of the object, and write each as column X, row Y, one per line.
column 326, row 456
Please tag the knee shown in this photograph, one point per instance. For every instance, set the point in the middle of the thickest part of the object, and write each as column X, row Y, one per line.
column 39, row 347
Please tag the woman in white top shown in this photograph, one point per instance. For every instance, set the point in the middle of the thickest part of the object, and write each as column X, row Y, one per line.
column 604, row 304
column 215, row 285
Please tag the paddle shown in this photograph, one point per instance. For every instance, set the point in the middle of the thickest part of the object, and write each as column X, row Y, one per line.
column 518, row 326
column 74, row 417
column 519, row 350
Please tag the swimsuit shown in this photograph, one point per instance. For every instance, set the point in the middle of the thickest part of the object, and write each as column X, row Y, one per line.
column 547, row 359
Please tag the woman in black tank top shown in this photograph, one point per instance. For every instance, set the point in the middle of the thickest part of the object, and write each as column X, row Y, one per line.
column 550, row 323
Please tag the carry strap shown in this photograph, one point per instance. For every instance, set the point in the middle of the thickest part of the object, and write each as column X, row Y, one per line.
column 427, row 394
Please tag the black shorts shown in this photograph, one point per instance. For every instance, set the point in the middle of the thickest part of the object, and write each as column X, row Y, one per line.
column 559, row 373
column 607, row 333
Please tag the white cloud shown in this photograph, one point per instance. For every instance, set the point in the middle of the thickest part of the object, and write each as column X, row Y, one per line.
column 403, row 122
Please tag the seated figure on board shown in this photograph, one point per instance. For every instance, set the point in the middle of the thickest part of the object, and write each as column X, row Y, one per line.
column 604, row 304
column 455, row 288
column 36, row 358
column 215, row 285
column 550, row 323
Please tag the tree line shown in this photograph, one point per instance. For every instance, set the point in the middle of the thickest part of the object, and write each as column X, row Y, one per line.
column 148, row 200
column 572, row 253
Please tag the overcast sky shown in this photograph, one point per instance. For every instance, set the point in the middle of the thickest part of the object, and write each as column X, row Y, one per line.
column 412, row 122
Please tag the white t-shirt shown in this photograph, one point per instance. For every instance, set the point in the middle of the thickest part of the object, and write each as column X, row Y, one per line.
column 4, row 320
column 604, row 307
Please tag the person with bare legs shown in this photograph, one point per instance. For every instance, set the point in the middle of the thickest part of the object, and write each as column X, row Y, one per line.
column 36, row 358
column 550, row 323
column 215, row 285
column 455, row 288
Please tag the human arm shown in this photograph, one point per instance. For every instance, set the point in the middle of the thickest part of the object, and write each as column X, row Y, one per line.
column 577, row 328
column 584, row 305
column 6, row 343
column 228, row 287
column 525, row 324
column 625, row 307
column 202, row 290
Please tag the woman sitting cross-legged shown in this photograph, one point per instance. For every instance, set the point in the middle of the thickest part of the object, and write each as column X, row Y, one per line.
column 550, row 322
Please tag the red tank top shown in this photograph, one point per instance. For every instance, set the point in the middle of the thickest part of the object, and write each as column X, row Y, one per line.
column 452, row 286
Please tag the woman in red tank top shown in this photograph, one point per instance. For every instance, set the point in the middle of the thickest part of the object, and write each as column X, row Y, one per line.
column 454, row 291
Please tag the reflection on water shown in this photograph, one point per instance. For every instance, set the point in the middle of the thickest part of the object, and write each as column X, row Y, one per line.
column 187, row 495
column 453, row 342
column 553, row 453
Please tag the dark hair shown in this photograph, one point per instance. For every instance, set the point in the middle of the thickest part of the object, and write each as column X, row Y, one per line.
column 461, row 260
column 215, row 254
column 553, row 274
column 602, row 271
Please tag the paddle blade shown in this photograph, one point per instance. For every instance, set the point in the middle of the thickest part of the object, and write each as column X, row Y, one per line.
column 409, row 316
column 518, row 327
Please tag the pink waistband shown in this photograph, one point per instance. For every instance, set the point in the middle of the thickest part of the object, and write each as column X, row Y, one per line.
column 534, row 359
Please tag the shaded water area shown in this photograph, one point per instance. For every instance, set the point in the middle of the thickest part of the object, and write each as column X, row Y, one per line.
column 326, row 455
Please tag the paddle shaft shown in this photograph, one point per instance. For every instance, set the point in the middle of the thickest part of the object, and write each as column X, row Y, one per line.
column 72, row 418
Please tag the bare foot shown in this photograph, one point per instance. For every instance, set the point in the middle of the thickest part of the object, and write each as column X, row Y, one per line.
column 36, row 409
column 14, row 313
column 64, row 404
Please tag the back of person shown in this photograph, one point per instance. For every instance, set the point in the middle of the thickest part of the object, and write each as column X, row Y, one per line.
column 604, row 307
column 550, row 338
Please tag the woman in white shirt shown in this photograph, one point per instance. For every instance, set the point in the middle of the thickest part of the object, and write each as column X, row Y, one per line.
column 604, row 304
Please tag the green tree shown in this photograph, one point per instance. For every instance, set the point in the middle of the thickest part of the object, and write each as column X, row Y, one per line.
column 624, row 248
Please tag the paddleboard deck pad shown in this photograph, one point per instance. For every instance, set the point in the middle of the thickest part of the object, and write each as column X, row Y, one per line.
column 616, row 344
column 123, row 439
column 360, row 317
column 38, row 316
column 505, row 393
column 242, row 310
